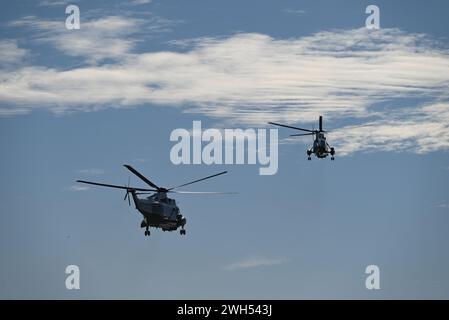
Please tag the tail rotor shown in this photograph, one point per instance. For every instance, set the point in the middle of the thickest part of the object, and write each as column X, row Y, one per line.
column 127, row 193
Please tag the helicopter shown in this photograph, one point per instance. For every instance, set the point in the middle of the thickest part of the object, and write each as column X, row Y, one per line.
column 320, row 147
column 158, row 210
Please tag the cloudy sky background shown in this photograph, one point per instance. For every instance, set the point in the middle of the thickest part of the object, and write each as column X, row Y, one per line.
column 80, row 103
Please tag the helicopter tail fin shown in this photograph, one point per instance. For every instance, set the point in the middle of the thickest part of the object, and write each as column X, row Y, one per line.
column 135, row 199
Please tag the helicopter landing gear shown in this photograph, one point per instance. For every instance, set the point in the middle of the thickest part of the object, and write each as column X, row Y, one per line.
column 147, row 231
column 182, row 232
column 309, row 152
column 332, row 153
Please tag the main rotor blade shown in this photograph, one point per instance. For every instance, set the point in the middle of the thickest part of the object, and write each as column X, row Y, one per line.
column 185, row 184
column 302, row 134
column 113, row 186
column 202, row 192
column 285, row 126
column 137, row 173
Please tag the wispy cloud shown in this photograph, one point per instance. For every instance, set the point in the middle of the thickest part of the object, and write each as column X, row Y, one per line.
column 254, row 263
column 109, row 37
column 91, row 172
column 98, row 39
column 53, row 3
column 137, row 2
column 254, row 78
column 10, row 112
column 442, row 204
column 297, row 12
column 16, row 111
column 78, row 188
column 10, row 53
column 424, row 129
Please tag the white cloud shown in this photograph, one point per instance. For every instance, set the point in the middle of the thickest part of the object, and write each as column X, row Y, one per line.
column 141, row 2
column 253, row 78
column 78, row 188
column 107, row 37
column 53, row 3
column 6, row 112
column 424, row 129
column 442, row 205
column 254, row 263
column 297, row 12
column 91, row 171
column 10, row 52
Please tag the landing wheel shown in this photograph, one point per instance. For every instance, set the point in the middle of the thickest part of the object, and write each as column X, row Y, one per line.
column 182, row 232
column 309, row 158
column 147, row 233
column 332, row 158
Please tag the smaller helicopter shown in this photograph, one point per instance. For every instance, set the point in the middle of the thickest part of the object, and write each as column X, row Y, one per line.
column 158, row 210
column 320, row 147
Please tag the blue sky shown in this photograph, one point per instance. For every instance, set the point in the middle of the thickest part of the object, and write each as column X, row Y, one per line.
column 79, row 104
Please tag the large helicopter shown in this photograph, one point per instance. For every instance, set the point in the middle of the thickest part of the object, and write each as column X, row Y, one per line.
column 158, row 210
column 320, row 147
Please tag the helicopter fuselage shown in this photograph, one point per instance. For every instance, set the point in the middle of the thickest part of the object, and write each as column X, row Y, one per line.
column 159, row 211
column 320, row 147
